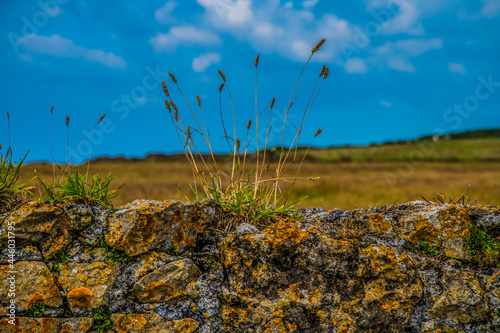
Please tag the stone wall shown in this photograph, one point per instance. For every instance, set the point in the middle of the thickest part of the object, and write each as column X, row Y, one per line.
column 164, row 267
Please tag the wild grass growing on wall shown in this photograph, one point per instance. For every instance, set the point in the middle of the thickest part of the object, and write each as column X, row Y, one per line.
column 245, row 192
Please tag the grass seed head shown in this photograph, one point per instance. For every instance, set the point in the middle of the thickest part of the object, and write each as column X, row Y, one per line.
column 172, row 77
column 318, row 46
column 52, row 109
column 322, row 70
column 222, row 76
column 318, row 132
column 8, row 116
column 188, row 130
column 165, row 88
column 257, row 60
column 167, row 104
column 176, row 115
column 221, row 86
column 199, row 100
column 238, row 144
column 67, row 121
column 100, row 119
column 174, row 106
column 326, row 73
column 249, row 124
column 272, row 102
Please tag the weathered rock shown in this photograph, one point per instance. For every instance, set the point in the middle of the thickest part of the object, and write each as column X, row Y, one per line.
column 33, row 282
column 328, row 271
column 144, row 225
column 46, row 325
column 463, row 301
column 41, row 225
column 168, row 283
column 86, row 285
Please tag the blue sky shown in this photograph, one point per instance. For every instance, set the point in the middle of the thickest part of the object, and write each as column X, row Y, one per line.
column 399, row 69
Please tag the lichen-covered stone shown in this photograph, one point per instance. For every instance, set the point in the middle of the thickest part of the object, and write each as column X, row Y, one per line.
column 144, row 225
column 41, row 225
column 87, row 284
column 33, row 282
column 325, row 271
column 46, row 325
column 168, row 283
column 463, row 300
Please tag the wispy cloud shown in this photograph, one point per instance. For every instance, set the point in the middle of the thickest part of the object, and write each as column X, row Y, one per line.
column 397, row 55
column 356, row 65
column 490, row 9
column 164, row 14
column 58, row 46
column 270, row 26
column 457, row 68
column 202, row 62
column 183, row 35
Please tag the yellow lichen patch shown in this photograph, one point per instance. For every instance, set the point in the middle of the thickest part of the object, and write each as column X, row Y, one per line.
column 166, row 290
column 390, row 305
column 232, row 317
column 378, row 224
column 47, row 324
column 181, row 238
column 292, row 327
column 186, row 325
column 127, row 322
column 31, row 248
column 80, row 298
column 281, row 231
column 36, row 297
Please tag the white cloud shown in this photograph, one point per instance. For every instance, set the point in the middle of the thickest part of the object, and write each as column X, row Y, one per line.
column 407, row 19
column 164, row 14
column 457, row 68
column 65, row 48
column 386, row 104
column 356, row 65
column 183, row 35
column 491, row 8
column 233, row 13
column 202, row 62
column 309, row 3
column 275, row 27
column 398, row 55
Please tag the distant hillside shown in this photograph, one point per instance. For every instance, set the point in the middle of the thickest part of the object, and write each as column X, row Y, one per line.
column 470, row 146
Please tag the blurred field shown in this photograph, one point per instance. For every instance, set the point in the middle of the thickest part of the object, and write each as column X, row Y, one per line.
column 341, row 185
column 351, row 177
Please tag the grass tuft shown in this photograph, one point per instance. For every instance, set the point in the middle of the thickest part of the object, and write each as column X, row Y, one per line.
column 245, row 193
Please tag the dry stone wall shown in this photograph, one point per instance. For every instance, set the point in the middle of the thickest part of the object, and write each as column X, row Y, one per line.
column 153, row 266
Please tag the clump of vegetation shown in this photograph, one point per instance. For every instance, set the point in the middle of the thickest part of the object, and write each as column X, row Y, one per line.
column 102, row 319
column 57, row 259
column 113, row 255
column 425, row 247
column 244, row 193
column 9, row 175
column 35, row 310
column 482, row 248
column 463, row 199
column 171, row 250
column 74, row 186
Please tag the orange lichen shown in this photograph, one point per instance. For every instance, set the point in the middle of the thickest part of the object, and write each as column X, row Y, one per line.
column 48, row 226
column 66, row 328
column 281, row 231
column 80, row 298
column 36, row 297
column 47, row 324
column 126, row 322
column 292, row 327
